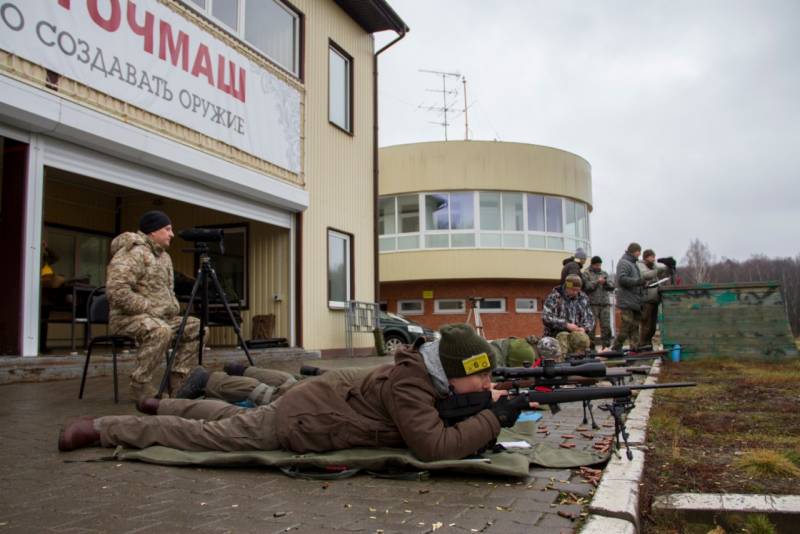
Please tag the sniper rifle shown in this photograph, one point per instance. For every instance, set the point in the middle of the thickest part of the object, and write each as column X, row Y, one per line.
column 458, row 407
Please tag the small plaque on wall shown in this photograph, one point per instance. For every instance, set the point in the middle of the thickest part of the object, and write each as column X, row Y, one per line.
column 427, row 294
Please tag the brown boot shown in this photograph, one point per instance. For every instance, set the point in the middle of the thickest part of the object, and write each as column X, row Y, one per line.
column 78, row 434
column 148, row 406
column 141, row 390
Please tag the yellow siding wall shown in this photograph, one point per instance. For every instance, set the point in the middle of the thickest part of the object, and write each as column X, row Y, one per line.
column 338, row 171
column 482, row 165
column 470, row 264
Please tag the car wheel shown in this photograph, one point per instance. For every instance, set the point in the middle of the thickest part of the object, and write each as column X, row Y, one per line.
column 393, row 342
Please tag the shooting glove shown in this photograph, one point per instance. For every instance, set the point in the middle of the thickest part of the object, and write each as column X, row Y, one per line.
column 507, row 411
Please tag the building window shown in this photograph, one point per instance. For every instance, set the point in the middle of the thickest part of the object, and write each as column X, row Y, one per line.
column 411, row 307
column 451, row 306
column 80, row 255
column 340, row 88
column 340, row 252
column 493, row 305
column 526, row 305
column 269, row 26
column 483, row 219
column 231, row 267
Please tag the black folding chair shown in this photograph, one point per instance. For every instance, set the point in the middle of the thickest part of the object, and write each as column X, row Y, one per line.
column 97, row 313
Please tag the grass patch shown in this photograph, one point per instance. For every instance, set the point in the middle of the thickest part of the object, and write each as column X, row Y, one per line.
column 794, row 457
column 736, row 432
column 766, row 463
column 759, row 524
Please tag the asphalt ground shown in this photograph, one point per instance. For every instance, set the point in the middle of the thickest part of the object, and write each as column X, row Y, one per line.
column 43, row 490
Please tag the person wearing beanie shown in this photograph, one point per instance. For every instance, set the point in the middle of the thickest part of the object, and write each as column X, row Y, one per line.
column 567, row 316
column 142, row 303
column 629, row 297
column 573, row 264
column 393, row 405
column 598, row 288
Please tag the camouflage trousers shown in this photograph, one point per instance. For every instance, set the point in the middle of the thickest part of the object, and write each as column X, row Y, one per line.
column 602, row 319
column 572, row 342
column 259, row 386
column 629, row 330
column 154, row 337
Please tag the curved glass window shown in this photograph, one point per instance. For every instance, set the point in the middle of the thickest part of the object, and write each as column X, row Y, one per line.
column 482, row 219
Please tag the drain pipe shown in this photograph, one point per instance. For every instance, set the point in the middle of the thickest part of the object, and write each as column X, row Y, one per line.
column 375, row 244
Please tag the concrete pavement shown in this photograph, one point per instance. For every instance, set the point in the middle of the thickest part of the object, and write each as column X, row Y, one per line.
column 47, row 491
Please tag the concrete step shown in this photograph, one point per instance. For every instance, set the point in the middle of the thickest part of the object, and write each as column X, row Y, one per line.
column 15, row 369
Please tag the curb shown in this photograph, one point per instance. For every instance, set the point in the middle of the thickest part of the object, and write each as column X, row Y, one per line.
column 615, row 505
column 16, row 369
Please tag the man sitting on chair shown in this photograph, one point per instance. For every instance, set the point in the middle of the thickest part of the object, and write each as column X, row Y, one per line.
column 141, row 298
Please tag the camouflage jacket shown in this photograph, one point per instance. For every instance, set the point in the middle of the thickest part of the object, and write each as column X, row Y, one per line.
column 598, row 293
column 560, row 310
column 139, row 279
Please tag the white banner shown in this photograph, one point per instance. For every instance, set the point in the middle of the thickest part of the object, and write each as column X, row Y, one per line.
column 144, row 53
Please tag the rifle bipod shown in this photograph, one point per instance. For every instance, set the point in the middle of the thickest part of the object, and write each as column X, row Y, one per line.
column 588, row 407
column 618, row 408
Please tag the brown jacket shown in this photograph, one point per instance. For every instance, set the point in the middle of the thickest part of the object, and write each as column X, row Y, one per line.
column 390, row 406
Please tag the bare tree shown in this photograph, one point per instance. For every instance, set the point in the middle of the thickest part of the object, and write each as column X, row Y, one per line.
column 698, row 262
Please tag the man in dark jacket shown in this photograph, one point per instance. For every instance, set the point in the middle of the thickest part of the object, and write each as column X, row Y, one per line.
column 629, row 297
column 573, row 264
column 567, row 316
column 388, row 406
column 597, row 286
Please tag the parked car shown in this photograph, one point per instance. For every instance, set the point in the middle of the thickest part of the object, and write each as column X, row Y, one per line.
column 397, row 330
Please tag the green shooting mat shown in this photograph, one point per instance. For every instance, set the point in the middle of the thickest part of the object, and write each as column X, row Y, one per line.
column 513, row 462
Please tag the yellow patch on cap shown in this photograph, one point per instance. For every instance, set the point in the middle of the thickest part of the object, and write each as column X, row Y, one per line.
column 569, row 284
column 476, row 364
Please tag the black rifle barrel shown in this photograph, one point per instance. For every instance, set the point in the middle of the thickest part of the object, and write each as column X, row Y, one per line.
column 591, row 393
column 592, row 370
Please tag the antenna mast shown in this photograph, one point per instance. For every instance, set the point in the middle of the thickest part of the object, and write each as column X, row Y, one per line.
column 445, row 107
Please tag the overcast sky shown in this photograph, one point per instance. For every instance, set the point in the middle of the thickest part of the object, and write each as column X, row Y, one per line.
column 688, row 111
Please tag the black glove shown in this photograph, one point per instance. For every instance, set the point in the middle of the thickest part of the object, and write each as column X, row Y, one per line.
column 507, row 411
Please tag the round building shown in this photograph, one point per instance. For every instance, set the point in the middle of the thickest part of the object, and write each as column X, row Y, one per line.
column 487, row 219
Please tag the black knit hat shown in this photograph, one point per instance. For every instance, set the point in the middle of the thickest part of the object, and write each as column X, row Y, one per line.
column 152, row 221
column 596, row 259
column 463, row 352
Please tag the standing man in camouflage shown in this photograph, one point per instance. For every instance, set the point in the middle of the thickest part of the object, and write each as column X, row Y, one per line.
column 597, row 286
column 567, row 316
column 629, row 297
column 140, row 289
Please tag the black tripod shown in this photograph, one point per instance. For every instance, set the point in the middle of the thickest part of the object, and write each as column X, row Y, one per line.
column 204, row 272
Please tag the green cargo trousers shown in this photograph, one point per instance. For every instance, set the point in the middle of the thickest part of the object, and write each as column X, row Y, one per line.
column 629, row 330
column 602, row 320
column 258, row 385
column 195, row 425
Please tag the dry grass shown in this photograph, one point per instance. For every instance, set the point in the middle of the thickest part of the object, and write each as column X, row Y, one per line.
column 766, row 463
